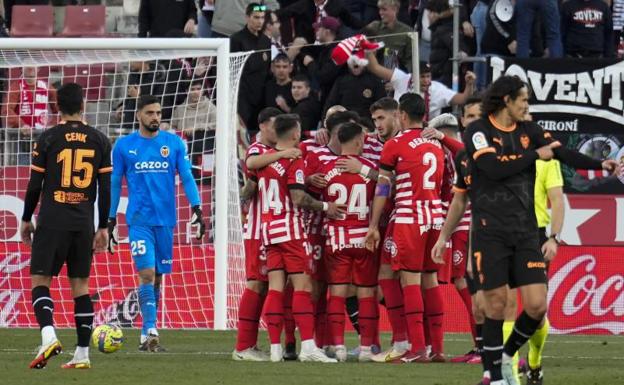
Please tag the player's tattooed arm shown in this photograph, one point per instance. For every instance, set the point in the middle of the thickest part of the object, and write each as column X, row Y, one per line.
column 306, row 201
column 255, row 162
column 248, row 190
column 354, row 166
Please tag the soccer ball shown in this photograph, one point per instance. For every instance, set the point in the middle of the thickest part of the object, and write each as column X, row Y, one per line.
column 107, row 338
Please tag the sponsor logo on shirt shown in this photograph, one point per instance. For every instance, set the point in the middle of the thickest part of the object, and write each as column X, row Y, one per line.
column 479, row 141
column 151, row 166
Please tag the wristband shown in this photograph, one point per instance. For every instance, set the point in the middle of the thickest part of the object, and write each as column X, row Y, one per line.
column 364, row 171
column 325, row 206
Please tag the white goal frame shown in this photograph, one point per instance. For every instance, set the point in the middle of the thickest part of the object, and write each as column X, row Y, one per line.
column 224, row 133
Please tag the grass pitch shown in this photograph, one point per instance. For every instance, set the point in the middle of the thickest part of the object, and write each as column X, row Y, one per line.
column 203, row 357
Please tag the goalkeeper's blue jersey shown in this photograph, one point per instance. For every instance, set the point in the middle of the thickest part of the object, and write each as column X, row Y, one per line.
column 149, row 166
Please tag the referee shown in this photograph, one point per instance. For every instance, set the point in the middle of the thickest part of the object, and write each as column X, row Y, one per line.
column 71, row 166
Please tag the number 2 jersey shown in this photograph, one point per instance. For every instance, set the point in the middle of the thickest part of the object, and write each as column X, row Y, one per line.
column 70, row 155
column 282, row 220
column 356, row 192
column 418, row 164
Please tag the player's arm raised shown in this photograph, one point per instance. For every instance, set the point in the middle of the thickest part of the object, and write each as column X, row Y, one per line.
column 255, row 162
column 183, row 165
column 33, row 191
column 382, row 193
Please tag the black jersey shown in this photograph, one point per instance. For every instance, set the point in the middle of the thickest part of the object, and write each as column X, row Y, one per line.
column 503, row 172
column 71, row 157
column 463, row 176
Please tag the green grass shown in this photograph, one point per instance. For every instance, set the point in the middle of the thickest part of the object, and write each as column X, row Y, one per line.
column 203, row 357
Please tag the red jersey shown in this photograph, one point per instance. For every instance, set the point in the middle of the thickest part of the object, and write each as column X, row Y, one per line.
column 307, row 146
column 282, row 221
column 314, row 161
column 251, row 230
column 372, row 148
column 355, row 191
column 418, row 164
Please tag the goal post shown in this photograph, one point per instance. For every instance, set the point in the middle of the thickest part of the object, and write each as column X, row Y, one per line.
column 228, row 265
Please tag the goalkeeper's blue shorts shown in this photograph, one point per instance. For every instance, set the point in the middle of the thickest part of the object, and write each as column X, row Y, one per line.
column 152, row 247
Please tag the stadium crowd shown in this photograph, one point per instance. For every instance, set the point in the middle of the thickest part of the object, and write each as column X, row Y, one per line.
column 334, row 190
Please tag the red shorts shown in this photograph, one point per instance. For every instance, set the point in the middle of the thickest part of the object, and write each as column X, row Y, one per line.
column 444, row 271
column 255, row 261
column 460, row 253
column 410, row 250
column 356, row 266
column 292, row 256
column 317, row 248
column 385, row 257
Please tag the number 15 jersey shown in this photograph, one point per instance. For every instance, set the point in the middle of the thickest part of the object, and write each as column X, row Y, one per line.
column 418, row 164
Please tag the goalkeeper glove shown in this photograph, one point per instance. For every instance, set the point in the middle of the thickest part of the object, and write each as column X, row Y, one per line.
column 112, row 234
column 196, row 220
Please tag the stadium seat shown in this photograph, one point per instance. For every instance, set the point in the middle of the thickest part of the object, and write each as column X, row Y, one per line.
column 90, row 77
column 32, row 21
column 82, row 21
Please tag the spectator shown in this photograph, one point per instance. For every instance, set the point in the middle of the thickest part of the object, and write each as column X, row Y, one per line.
column 278, row 89
column 423, row 21
column 305, row 13
column 125, row 112
column 478, row 20
column 229, row 15
column 31, row 107
column 437, row 96
column 587, row 28
column 204, row 18
column 322, row 67
column 356, row 91
column 272, row 30
column 397, row 48
column 158, row 17
column 307, row 106
column 256, row 70
column 442, row 41
column 499, row 37
column 526, row 11
column 365, row 10
column 197, row 119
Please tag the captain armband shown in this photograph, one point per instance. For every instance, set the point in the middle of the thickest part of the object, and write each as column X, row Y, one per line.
column 383, row 190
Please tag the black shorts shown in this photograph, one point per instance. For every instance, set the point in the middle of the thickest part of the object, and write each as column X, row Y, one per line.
column 503, row 257
column 51, row 248
column 542, row 236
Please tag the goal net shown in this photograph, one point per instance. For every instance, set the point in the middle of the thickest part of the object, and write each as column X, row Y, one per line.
column 197, row 82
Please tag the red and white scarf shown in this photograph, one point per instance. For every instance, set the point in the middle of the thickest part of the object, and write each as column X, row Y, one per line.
column 34, row 112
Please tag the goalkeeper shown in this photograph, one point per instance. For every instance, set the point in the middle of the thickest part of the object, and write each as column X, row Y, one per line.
column 149, row 159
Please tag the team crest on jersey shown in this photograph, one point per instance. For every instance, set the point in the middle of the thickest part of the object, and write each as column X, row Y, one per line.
column 457, row 257
column 368, row 93
column 391, row 247
column 164, row 151
column 299, row 177
column 479, row 141
column 525, row 141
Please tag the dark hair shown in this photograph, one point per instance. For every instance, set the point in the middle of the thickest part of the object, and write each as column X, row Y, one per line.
column 281, row 57
column 255, row 7
column 413, row 105
column 494, row 98
column 474, row 99
column 69, row 98
column 197, row 82
column 267, row 113
column 348, row 131
column 146, row 100
column 386, row 103
column 268, row 18
column 302, row 78
column 341, row 117
column 438, row 6
column 284, row 123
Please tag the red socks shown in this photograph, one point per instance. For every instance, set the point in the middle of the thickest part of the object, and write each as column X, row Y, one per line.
column 336, row 319
column 391, row 289
column 434, row 308
column 369, row 316
column 249, row 312
column 465, row 296
column 414, row 316
column 320, row 321
column 303, row 312
column 289, row 321
column 274, row 315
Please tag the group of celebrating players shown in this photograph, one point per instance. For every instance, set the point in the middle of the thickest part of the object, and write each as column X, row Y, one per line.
column 382, row 217
column 361, row 219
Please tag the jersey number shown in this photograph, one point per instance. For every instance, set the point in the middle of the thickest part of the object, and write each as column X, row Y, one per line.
column 429, row 160
column 356, row 204
column 270, row 196
column 138, row 247
column 76, row 161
